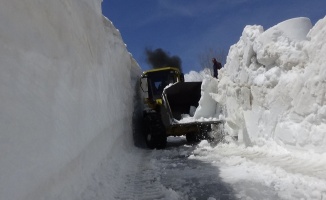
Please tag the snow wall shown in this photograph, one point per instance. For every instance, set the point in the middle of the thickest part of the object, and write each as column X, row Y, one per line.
column 67, row 94
column 273, row 86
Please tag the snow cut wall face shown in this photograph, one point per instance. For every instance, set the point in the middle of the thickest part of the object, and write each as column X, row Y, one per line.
column 66, row 96
column 273, row 85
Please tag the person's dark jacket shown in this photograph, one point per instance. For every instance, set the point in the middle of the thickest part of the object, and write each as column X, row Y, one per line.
column 216, row 66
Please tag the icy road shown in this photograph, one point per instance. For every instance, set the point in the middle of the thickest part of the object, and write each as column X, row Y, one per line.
column 207, row 171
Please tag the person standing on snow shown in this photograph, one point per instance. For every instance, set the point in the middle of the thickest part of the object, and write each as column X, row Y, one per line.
column 216, row 66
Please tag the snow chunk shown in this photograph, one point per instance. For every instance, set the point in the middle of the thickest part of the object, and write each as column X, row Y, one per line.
column 207, row 105
column 275, row 45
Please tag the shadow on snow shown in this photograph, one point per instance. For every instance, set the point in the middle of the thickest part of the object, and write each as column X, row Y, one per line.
column 191, row 178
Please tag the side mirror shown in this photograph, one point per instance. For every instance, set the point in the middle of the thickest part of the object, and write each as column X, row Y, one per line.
column 144, row 87
column 144, row 84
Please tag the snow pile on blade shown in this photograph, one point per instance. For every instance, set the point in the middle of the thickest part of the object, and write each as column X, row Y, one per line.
column 208, row 109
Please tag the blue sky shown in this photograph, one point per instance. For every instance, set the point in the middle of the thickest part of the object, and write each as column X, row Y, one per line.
column 188, row 28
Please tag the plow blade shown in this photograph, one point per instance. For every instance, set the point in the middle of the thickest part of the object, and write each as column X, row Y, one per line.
column 180, row 97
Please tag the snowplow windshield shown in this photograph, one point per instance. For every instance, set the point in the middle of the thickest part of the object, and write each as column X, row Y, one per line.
column 158, row 80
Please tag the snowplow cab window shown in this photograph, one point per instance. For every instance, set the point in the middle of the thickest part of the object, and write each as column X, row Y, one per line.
column 158, row 81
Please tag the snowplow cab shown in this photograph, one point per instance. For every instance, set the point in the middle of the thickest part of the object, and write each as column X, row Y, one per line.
column 154, row 81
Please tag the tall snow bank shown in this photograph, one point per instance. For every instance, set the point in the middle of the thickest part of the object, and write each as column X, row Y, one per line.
column 273, row 85
column 66, row 96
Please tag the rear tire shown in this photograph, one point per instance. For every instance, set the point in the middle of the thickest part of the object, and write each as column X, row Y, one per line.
column 192, row 137
column 201, row 134
column 205, row 130
column 155, row 136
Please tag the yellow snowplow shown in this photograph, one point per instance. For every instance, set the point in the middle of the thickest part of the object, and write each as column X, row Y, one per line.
column 167, row 99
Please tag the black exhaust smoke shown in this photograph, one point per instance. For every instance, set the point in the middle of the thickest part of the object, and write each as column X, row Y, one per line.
column 159, row 58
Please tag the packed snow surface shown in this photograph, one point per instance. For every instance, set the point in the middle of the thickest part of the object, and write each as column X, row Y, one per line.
column 67, row 87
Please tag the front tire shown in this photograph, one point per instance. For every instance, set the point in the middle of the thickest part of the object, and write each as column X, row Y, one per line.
column 155, row 136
